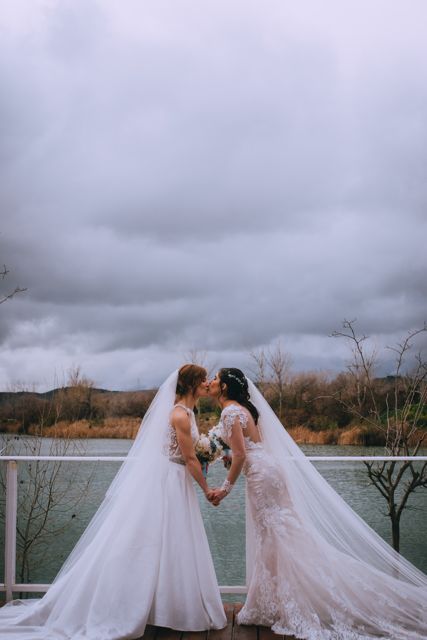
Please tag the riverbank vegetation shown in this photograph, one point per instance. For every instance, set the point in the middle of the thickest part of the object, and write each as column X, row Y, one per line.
column 312, row 404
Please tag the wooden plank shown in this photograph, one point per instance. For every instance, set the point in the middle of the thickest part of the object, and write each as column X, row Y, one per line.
column 243, row 632
column 227, row 632
column 265, row 633
column 162, row 633
column 149, row 633
column 194, row 635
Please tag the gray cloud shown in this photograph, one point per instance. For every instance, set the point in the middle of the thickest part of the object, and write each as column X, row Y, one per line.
column 175, row 177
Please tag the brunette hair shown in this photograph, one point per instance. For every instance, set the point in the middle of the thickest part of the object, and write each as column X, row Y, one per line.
column 237, row 389
column 189, row 378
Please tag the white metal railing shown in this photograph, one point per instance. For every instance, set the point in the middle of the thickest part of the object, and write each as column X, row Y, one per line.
column 10, row 585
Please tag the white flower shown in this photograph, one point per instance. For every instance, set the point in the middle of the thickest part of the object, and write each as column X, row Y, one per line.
column 208, row 449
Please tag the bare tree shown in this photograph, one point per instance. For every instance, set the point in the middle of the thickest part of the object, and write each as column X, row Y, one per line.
column 400, row 418
column 279, row 363
column 3, row 273
column 49, row 492
column 259, row 368
column 76, row 397
column 194, row 355
column 271, row 370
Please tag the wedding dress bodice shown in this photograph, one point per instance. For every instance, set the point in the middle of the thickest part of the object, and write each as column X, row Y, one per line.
column 227, row 420
column 172, row 449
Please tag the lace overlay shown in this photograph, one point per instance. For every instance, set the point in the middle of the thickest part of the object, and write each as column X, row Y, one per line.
column 171, row 446
column 228, row 420
column 225, row 427
column 303, row 587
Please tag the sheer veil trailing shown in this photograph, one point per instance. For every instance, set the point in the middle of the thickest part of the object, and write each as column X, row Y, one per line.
column 321, row 510
column 140, row 476
column 77, row 604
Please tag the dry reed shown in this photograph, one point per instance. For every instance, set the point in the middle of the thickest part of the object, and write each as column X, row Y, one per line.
column 126, row 427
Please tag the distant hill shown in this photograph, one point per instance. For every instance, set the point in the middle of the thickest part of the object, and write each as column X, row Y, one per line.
column 21, row 410
column 9, row 395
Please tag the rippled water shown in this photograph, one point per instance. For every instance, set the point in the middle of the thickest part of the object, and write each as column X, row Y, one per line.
column 225, row 525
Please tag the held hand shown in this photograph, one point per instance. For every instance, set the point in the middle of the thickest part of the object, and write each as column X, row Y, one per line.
column 217, row 495
column 210, row 495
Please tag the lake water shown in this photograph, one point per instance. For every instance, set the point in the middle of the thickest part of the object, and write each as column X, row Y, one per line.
column 225, row 525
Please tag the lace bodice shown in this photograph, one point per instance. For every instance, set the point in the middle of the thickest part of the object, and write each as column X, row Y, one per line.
column 171, row 448
column 228, row 419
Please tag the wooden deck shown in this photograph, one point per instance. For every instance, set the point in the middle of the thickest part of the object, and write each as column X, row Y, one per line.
column 232, row 631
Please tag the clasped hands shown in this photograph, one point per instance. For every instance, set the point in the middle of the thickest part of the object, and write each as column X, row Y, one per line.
column 215, row 495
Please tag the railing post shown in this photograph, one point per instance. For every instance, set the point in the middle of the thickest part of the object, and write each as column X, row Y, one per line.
column 10, row 532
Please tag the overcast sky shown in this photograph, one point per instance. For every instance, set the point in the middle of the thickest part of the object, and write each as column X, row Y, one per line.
column 211, row 174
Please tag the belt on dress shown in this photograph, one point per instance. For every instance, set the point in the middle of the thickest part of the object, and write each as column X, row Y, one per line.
column 177, row 461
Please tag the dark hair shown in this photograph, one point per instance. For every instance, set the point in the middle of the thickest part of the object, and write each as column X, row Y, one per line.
column 189, row 378
column 237, row 389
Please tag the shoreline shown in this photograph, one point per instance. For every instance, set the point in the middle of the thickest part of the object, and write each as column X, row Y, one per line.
column 127, row 427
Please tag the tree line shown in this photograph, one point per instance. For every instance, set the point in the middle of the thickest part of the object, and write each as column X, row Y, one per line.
column 315, row 401
column 25, row 411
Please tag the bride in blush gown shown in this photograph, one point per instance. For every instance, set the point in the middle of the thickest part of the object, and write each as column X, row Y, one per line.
column 315, row 569
column 144, row 558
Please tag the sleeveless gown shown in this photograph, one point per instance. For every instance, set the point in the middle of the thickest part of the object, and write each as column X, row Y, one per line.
column 152, row 567
column 187, row 595
column 302, row 586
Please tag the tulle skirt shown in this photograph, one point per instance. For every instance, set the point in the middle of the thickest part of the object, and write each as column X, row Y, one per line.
column 186, row 595
column 149, row 564
column 304, row 587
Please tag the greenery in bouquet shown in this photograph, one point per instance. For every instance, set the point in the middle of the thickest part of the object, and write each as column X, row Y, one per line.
column 208, row 449
column 225, row 449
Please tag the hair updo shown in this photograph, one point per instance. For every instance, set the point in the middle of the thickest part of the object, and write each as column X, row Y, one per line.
column 237, row 389
column 190, row 376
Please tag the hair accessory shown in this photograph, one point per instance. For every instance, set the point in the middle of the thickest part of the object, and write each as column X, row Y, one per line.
column 239, row 380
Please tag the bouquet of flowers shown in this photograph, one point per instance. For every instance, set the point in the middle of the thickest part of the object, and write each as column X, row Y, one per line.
column 225, row 449
column 208, row 449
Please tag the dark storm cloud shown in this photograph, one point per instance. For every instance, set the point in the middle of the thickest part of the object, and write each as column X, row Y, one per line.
column 173, row 176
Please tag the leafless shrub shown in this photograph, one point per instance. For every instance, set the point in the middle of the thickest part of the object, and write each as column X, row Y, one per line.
column 399, row 413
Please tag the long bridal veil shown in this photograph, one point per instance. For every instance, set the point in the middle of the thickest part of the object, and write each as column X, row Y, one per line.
column 327, row 517
column 79, row 604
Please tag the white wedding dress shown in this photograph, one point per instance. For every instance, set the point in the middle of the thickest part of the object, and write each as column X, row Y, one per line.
column 143, row 559
column 316, row 570
column 186, row 595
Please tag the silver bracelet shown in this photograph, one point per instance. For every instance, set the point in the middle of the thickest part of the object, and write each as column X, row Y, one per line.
column 226, row 486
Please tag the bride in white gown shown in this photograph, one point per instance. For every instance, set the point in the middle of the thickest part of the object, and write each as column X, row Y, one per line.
column 144, row 558
column 316, row 570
